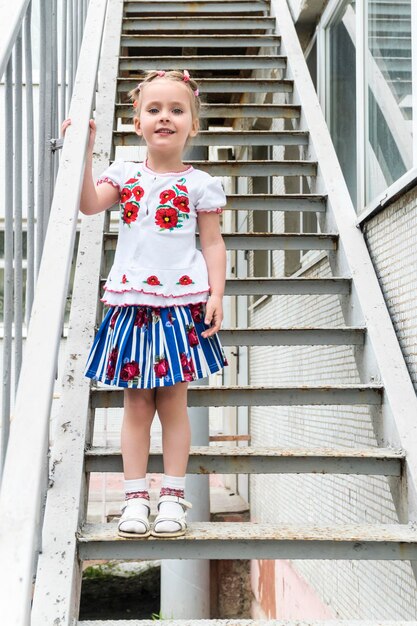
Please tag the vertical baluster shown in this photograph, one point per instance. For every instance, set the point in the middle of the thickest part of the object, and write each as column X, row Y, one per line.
column 8, row 260
column 46, row 138
column 70, row 50
column 64, row 23
column 74, row 36
column 18, row 248
column 41, row 136
column 30, row 167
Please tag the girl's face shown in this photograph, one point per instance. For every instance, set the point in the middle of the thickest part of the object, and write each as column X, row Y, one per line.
column 165, row 104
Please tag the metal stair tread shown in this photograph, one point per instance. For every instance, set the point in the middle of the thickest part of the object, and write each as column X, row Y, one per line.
column 249, row 531
column 261, row 241
column 248, row 622
column 217, row 459
column 227, row 138
column 261, row 395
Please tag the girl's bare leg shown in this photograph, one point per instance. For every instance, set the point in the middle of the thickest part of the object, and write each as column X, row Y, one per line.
column 139, row 411
column 171, row 404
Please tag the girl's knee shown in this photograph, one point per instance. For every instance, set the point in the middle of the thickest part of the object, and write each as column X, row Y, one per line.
column 139, row 400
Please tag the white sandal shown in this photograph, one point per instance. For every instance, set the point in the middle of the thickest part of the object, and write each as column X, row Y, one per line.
column 133, row 513
column 178, row 520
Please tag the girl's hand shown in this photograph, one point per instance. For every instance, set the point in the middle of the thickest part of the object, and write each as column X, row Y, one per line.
column 92, row 137
column 214, row 314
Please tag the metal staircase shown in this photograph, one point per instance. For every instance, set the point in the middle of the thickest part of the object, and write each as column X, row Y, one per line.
column 245, row 54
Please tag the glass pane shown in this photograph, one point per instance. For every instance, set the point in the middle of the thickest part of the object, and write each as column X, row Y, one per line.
column 388, row 75
column 341, row 93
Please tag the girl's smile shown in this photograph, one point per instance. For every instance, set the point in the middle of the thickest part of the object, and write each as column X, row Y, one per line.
column 165, row 112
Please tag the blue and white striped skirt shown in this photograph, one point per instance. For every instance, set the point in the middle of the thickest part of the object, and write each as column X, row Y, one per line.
column 146, row 347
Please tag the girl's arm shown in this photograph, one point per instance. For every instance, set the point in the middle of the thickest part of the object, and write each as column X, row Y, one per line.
column 93, row 199
column 214, row 252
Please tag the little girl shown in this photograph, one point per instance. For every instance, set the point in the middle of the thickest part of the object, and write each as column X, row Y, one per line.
column 164, row 295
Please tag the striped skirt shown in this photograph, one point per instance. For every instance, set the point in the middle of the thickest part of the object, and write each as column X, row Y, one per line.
column 146, row 347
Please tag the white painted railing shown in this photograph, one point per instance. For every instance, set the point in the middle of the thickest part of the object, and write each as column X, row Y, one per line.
column 26, row 468
column 382, row 356
column 29, row 182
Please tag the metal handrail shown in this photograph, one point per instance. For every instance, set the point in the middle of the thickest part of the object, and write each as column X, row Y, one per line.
column 25, row 477
column 382, row 356
column 26, row 185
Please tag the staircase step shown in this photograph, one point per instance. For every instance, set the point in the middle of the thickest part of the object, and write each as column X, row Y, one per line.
column 279, row 395
column 249, row 540
column 293, row 336
column 259, row 241
column 272, row 202
column 247, row 622
column 230, row 138
column 258, row 460
column 229, row 85
column 192, row 23
column 282, row 111
column 257, row 168
column 199, row 41
column 163, row 7
column 284, row 286
column 203, row 62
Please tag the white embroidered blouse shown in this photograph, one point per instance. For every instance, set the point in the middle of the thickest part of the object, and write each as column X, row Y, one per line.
column 156, row 261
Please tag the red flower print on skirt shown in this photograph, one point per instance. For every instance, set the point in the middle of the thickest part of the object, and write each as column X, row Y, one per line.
column 185, row 280
column 130, row 212
column 129, row 371
column 111, row 363
column 152, row 280
column 161, row 367
column 125, row 194
column 197, row 312
column 114, row 318
column 138, row 192
column 166, row 195
column 142, row 317
column 192, row 335
column 181, row 202
column 187, row 367
column 166, row 218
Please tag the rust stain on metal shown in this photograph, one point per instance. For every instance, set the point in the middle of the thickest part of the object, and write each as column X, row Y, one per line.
column 266, row 587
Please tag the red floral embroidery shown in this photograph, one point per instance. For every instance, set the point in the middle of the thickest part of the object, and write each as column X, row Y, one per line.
column 181, row 202
column 130, row 212
column 138, row 192
column 197, row 312
column 185, row 280
column 125, row 194
column 161, row 367
column 182, row 188
column 166, row 195
column 152, row 280
column 131, row 181
column 129, row 371
column 166, row 218
column 124, row 279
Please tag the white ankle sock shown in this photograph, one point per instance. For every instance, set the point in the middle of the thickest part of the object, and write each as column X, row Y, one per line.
column 171, row 509
column 132, row 486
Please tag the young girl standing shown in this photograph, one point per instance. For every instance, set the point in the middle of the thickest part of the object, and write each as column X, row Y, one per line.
column 164, row 295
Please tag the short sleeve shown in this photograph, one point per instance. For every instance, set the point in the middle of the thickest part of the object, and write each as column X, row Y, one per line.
column 212, row 196
column 114, row 174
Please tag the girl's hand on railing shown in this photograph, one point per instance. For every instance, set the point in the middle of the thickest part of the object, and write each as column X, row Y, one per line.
column 92, row 137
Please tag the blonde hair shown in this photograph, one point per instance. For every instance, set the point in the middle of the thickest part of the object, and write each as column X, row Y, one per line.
column 176, row 75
